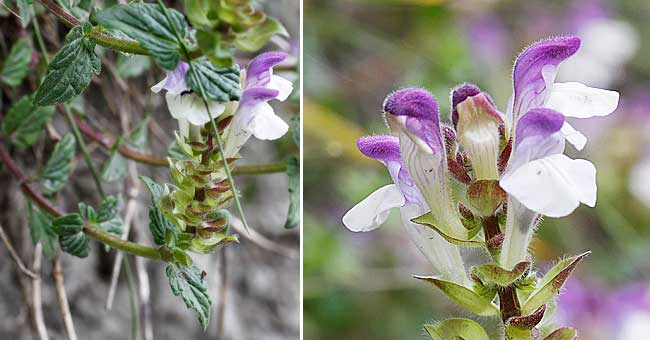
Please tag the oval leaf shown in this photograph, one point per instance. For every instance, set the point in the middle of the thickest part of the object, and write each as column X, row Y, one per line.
column 463, row 296
column 187, row 282
column 552, row 283
column 456, row 329
column 16, row 65
column 57, row 170
column 219, row 83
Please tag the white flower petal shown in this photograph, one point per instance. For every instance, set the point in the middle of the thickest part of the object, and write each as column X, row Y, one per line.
column 553, row 186
column 158, row 87
column 266, row 125
column 577, row 100
column 373, row 211
column 191, row 107
column 575, row 137
column 284, row 87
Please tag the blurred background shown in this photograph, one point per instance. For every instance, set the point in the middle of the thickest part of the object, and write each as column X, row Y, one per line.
column 254, row 285
column 359, row 286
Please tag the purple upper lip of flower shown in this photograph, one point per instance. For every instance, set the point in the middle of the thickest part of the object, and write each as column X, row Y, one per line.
column 258, row 73
column 459, row 95
column 532, row 66
column 412, row 102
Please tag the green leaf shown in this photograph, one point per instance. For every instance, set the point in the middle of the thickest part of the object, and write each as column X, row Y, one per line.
column 552, row 283
column 132, row 66
column 57, row 169
column 115, row 168
column 256, row 37
column 500, row 276
column 41, row 230
column 69, row 227
column 147, row 24
column 293, row 174
column 220, row 83
column 564, row 333
column 158, row 223
column 25, row 11
column 26, row 120
column 107, row 209
column 187, row 282
column 428, row 221
column 463, row 296
column 16, row 65
column 456, row 329
column 198, row 13
column 70, row 70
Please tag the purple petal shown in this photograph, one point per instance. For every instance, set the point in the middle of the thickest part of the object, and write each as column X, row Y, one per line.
column 536, row 66
column 175, row 80
column 421, row 111
column 257, row 95
column 385, row 148
column 259, row 70
column 538, row 135
column 458, row 95
column 538, row 123
column 382, row 148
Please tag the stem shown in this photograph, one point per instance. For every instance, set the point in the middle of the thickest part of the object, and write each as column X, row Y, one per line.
column 107, row 143
column 103, row 39
column 57, row 273
column 106, row 238
column 84, row 150
column 215, row 130
column 508, row 299
column 135, row 318
column 118, row 243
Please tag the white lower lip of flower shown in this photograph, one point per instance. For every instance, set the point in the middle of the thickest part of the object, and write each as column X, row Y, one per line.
column 444, row 257
column 429, row 174
column 373, row 211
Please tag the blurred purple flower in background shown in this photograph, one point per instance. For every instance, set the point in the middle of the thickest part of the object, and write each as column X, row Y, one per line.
column 606, row 314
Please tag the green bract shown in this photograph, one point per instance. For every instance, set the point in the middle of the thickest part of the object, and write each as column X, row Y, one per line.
column 456, row 329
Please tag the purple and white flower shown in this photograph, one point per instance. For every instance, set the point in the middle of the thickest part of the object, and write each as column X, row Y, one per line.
column 184, row 105
column 539, row 178
column 373, row 211
column 254, row 116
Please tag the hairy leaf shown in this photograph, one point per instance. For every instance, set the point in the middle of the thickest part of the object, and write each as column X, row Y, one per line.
column 57, row 169
column 41, row 230
column 16, row 65
column 187, row 282
column 220, row 83
column 26, row 120
column 256, row 37
column 463, row 296
column 147, row 24
column 70, row 70
column 456, row 329
column 552, row 283
column 500, row 276
column 293, row 174
column 69, row 227
column 158, row 223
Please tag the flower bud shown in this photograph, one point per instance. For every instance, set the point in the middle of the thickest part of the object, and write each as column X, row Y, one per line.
column 477, row 130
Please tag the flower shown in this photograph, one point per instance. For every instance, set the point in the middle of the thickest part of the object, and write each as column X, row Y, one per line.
column 373, row 211
column 254, row 116
column 183, row 104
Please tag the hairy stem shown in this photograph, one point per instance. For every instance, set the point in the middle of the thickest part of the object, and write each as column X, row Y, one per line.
column 101, row 38
column 508, row 299
column 106, row 238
